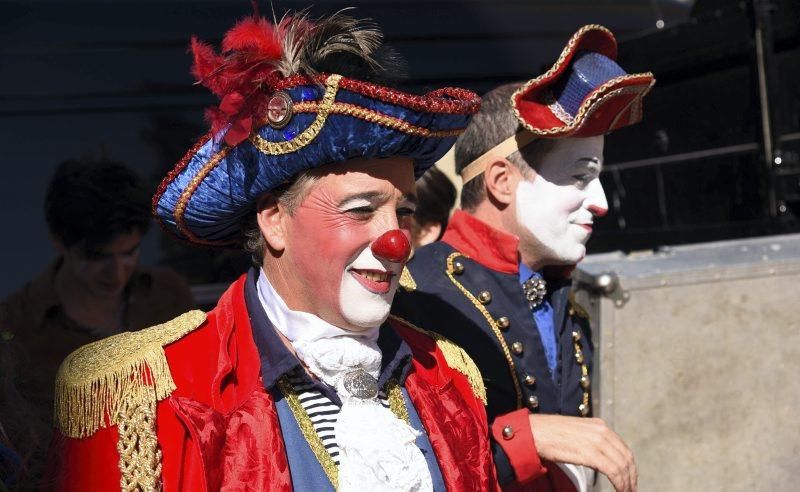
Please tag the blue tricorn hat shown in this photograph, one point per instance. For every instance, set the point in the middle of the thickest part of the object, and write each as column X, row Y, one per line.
column 278, row 117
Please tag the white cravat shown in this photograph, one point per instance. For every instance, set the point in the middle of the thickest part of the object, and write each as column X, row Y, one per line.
column 377, row 450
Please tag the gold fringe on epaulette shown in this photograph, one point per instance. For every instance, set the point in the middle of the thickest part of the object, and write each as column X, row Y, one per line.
column 459, row 360
column 93, row 381
column 407, row 282
column 456, row 358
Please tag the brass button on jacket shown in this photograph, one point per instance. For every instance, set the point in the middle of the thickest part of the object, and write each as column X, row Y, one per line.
column 516, row 347
column 503, row 322
column 485, row 297
column 508, row 432
column 533, row 402
column 529, row 380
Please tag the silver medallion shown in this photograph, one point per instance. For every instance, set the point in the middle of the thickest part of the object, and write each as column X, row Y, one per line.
column 360, row 384
column 535, row 289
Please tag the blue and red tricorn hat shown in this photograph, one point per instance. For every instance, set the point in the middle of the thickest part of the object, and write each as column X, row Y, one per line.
column 585, row 93
column 280, row 115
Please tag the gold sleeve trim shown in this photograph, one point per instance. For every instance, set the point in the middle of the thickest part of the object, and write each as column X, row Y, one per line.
column 407, row 281
column 95, row 382
column 456, row 358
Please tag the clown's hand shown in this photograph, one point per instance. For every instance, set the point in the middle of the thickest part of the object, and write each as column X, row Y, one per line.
column 588, row 442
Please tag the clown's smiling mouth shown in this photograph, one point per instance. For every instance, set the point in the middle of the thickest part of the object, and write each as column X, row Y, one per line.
column 376, row 281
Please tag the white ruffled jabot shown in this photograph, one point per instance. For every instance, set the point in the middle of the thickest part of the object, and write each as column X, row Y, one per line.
column 377, row 450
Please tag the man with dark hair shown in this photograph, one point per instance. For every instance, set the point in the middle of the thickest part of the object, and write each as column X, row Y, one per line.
column 436, row 196
column 497, row 284
column 96, row 213
column 298, row 379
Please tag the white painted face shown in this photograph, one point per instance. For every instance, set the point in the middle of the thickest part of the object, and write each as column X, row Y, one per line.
column 367, row 289
column 328, row 242
column 556, row 207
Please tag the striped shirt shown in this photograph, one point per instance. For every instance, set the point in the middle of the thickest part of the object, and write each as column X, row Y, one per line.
column 321, row 410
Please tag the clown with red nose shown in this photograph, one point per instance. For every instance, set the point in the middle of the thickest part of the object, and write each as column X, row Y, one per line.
column 299, row 378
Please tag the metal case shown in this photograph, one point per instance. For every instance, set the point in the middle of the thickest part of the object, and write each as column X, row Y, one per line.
column 698, row 361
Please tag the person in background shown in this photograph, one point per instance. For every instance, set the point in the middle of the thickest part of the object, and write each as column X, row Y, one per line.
column 498, row 281
column 96, row 214
column 436, row 195
column 12, row 464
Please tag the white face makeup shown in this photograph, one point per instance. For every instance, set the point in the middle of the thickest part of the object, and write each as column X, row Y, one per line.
column 557, row 206
column 327, row 267
column 367, row 289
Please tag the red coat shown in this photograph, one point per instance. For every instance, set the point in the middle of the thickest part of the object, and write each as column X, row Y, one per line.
column 218, row 429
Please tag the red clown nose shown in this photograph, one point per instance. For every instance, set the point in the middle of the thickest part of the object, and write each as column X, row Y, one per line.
column 392, row 246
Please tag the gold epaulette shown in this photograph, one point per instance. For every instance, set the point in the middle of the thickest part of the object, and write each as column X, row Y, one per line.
column 456, row 358
column 575, row 308
column 407, row 282
column 96, row 380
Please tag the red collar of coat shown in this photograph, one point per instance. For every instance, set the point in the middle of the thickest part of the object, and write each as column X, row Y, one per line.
column 492, row 248
column 495, row 249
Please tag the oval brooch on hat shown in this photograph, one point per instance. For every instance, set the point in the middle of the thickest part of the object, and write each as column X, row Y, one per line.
column 279, row 109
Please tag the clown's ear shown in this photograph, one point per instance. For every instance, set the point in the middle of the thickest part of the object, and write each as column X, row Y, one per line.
column 272, row 222
column 500, row 180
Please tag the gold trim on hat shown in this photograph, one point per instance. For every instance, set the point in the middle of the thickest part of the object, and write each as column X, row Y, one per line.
column 186, row 195
column 562, row 58
column 592, row 103
column 586, row 107
column 307, row 135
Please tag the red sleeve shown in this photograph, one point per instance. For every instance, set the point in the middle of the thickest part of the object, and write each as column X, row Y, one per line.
column 512, row 431
column 89, row 463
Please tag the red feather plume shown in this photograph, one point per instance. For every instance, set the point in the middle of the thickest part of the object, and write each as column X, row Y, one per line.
column 256, row 36
column 242, row 76
column 256, row 55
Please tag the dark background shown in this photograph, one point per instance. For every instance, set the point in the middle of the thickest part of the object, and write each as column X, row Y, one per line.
column 112, row 79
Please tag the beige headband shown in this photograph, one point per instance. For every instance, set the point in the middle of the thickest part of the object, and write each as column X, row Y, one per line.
column 515, row 142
